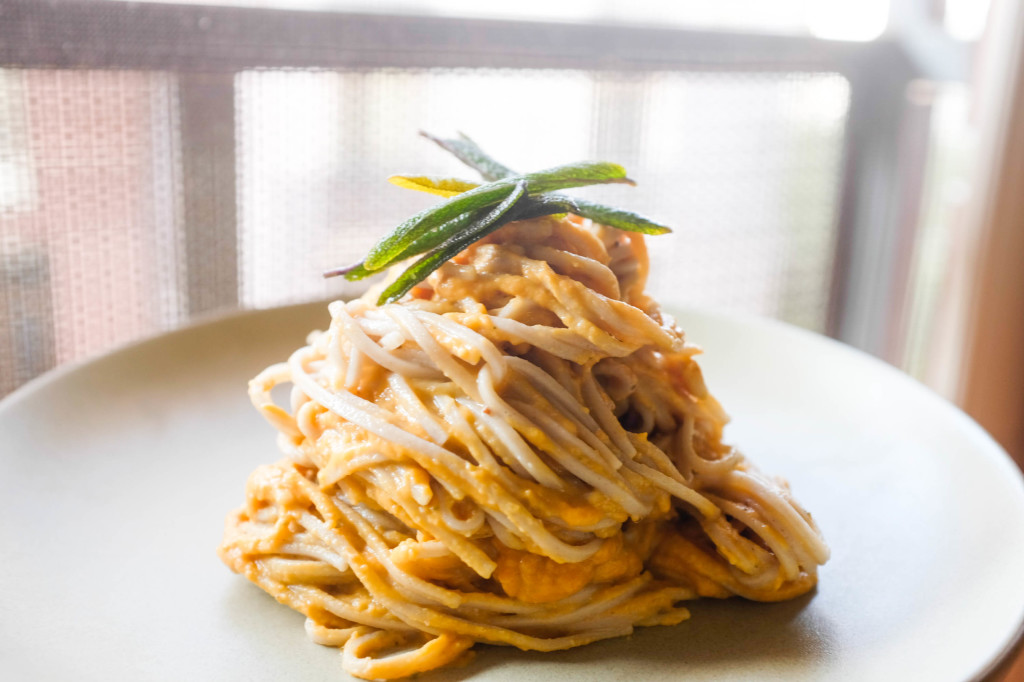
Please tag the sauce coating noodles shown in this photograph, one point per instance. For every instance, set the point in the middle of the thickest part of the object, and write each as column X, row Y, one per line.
column 522, row 451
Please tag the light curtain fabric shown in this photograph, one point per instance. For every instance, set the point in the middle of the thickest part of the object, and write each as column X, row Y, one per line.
column 156, row 164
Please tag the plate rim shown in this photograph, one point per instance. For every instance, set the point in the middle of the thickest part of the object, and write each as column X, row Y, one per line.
column 200, row 321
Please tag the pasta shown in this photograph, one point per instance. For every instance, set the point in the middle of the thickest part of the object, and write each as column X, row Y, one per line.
column 521, row 451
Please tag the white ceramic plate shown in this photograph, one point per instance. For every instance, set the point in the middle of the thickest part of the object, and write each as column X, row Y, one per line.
column 115, row 477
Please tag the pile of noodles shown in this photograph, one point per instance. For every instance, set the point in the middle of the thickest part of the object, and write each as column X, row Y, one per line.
column 522, row 451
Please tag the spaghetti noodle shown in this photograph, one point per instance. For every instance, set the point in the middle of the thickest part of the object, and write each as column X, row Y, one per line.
column 521, row 451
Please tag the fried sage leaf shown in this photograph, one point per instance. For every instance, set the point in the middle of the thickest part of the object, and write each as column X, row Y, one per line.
column 469, row 152
column 445, row 187
column 390, row 248
column 472, row 211
column 476, row 158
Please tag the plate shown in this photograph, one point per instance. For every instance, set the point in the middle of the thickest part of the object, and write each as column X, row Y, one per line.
column 116, row 475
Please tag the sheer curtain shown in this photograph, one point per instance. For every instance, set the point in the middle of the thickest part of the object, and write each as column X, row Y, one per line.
column 165, row 162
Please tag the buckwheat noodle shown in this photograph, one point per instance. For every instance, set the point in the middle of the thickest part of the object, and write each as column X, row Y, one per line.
column 522, row 451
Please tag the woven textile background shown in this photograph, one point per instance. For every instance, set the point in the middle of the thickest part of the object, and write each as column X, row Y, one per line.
column 132, row 201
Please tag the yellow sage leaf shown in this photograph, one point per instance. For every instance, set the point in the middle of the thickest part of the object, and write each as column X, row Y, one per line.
column 445, row 187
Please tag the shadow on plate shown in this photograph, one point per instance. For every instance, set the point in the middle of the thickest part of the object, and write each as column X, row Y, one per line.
column 720, row 635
